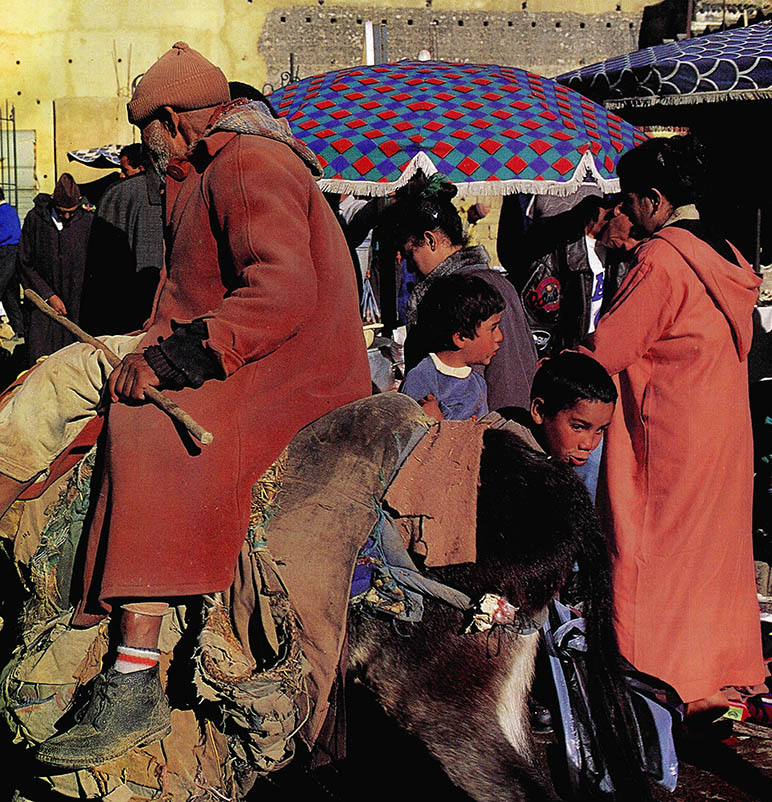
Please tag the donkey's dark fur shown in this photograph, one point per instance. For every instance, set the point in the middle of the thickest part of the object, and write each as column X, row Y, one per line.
column 465, row 696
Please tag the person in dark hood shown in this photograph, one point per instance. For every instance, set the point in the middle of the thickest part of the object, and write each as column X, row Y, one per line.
column 125, row 253
column 52, row 261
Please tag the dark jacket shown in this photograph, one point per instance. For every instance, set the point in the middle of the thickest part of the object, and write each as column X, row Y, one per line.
column 52, row 262
column 126, row 256
column 509, row 375
column 557, row 293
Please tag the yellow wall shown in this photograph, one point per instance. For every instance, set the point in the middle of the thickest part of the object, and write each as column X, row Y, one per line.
column 104, row 121
column 51, row 50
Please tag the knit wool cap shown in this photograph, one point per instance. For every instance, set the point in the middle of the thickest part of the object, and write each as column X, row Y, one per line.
column 66, row 193
column 183, row 79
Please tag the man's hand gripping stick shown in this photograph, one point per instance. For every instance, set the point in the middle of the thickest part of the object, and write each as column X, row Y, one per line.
column 155, row 396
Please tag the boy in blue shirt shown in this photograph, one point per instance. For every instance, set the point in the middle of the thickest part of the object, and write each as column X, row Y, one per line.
column 461, row 315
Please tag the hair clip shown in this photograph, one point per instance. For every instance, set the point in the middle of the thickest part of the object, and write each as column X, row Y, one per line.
column 434, row 186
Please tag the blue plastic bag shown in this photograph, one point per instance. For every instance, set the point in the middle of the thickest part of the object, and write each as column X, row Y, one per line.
column 656, row 706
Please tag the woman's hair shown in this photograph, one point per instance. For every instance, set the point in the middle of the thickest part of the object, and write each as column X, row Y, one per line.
column 249, row 92
column 133, row 154
column 675, row 166
column 569, row 377
column 423, row 204
column 456, row 304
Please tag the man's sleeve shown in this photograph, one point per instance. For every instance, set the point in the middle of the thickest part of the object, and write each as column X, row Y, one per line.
column 259, row 196
column 419, row 382
column 25, row 263
column 362, row 221
column 642, row 310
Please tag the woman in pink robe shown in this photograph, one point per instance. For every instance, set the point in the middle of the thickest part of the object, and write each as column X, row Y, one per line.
column 678, row 453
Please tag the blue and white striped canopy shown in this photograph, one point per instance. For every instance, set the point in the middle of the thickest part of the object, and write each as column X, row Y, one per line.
column 729, row 65
column 105, row 156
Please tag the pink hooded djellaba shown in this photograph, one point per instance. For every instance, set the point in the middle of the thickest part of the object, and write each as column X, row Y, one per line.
column 678, row 465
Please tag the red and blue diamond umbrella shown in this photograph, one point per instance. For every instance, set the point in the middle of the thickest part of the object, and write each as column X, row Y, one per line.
column 490, row 129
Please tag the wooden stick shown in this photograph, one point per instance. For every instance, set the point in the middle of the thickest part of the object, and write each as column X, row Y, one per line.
column 151, row 393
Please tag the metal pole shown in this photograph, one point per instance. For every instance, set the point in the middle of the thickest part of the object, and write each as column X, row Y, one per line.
column 435, row 41
column 384, row 44
column 56, row 168
column 2, row 144
column 7, row 149
column 369, row 43
column 15, row 162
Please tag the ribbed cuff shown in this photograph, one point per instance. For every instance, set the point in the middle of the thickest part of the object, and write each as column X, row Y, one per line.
column 182, row 360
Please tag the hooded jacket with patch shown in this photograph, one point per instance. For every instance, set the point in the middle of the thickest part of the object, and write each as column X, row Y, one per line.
column 557, row 296
column 678, row 463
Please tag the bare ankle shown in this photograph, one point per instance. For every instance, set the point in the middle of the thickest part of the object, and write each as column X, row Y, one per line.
column 141, row 629
column 707, row 709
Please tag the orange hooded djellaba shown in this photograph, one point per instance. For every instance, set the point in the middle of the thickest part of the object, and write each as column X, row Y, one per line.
column 676, row 481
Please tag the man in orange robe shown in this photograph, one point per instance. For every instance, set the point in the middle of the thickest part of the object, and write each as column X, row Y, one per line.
column 678, row 462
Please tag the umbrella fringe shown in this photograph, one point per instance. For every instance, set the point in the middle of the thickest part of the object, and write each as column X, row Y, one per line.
column 691, row 99
column 422, row 161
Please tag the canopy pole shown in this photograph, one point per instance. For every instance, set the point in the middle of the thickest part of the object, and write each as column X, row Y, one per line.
column 757, row 258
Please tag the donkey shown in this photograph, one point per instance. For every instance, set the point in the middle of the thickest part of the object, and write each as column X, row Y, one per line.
column 465, row 696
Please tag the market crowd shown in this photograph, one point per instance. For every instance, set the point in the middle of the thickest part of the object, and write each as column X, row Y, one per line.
column 617, row 336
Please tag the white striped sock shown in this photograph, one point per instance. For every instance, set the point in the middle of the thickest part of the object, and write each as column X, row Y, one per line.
column 132, row 659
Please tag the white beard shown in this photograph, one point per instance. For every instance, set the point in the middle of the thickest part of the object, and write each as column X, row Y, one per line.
column 159, row 145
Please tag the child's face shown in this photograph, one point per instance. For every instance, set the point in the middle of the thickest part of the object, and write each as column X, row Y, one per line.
column 573, row 433
column 480, row 349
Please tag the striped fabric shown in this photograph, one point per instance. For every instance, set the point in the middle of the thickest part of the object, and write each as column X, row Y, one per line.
column 132, row 659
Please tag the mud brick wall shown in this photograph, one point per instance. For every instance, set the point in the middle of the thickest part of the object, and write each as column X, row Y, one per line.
column 485, row 230
column 329, row 37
